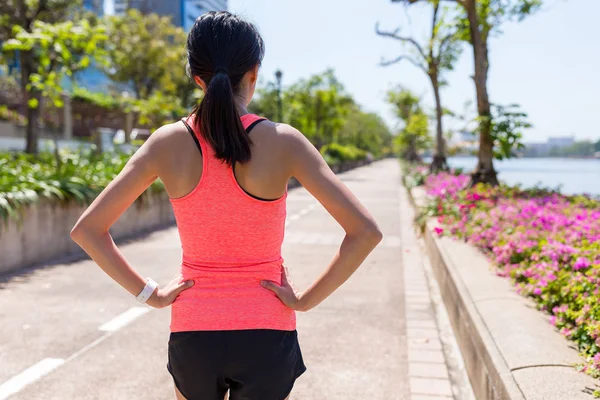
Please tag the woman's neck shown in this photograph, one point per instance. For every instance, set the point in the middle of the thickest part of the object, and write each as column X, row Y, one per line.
column 241, row 105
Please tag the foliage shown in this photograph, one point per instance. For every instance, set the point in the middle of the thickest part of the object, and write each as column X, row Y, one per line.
column 147, row 51
column 441, row 50
column 584, row 148
column 99, row 99
column 264, row 101
column 548, row 244
column 158, row 109
column 79, row 176
column 19, row 19
column 308, row 102
column 367, row 131
column 318, row 106
column 61, row 48
column 506, row 128
column 25, row 13
column 491, row 14
column 152, row 112
column 335, row 153
column 10, row 91
column 12, row 116
column 415, row 134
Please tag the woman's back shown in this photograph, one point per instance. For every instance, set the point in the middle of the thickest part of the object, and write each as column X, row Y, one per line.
column 231, row 240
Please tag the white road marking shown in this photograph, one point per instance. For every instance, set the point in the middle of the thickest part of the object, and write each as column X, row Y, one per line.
column 30, row 375
column 123, row 319
column 296, row 216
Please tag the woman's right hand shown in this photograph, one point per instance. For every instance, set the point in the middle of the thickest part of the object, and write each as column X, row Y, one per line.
column 287, row 292
column 164, row 297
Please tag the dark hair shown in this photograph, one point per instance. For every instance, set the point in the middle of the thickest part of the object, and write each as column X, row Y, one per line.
column 221, row 48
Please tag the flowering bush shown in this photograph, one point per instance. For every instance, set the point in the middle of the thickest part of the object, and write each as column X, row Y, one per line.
column 548, row 244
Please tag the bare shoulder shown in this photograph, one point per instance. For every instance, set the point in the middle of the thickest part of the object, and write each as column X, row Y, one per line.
column 167, row 135
column 162, row 146
column 284, row 136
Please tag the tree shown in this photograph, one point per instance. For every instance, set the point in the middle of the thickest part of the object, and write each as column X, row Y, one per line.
column 147, row 51
column 318, row 107
column 437, row 56
column 507, row 124
column 415, row 134
column 366, row 131
column 265, row 102
column 20, row 16
column 597, row 145
column 480, row 19
column 62, row 49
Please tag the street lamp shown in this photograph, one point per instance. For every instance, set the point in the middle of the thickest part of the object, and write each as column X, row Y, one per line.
column 278, row 76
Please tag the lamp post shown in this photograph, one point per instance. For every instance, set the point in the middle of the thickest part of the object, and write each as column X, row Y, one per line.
column 278, row 76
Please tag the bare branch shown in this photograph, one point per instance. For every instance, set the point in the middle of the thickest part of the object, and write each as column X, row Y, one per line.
column 394, row 35
column 407, row 58
column 436, row 9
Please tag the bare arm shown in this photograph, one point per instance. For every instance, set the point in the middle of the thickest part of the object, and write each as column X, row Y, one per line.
column 362, row 233
column 91, row 231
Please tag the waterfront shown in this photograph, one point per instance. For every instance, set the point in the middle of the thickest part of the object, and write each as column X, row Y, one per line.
column 573, row 175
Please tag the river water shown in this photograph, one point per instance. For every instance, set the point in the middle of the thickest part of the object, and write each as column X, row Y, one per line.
column 571, row 174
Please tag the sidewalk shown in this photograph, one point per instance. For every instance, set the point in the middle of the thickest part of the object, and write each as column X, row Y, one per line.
column 71, row 333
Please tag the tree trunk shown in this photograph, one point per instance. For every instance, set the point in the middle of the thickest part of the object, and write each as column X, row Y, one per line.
column 439, row 162
column 411, row 154
column 31, row 146
column 484, row 172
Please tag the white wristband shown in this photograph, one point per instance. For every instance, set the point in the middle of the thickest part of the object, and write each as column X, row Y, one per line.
column 147, row 291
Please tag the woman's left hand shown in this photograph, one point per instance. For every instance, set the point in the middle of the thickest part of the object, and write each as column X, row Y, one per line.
column 164, row 297
column 286, row 292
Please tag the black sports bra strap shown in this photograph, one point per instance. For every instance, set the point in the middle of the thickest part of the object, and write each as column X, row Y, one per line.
column 191, row 131
column 252, row 125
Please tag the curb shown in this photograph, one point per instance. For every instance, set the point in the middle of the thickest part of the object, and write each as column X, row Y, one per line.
column 511, row 352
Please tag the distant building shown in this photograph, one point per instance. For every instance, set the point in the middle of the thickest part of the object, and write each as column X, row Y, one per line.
column 96, row 6
column 182, row 12
column 192, row 9
column 557, row 142
column 536, row 149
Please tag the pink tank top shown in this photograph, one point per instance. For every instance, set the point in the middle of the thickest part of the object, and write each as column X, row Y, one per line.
column 230, row 241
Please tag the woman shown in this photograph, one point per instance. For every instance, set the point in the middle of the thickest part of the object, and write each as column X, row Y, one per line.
column 233, row 324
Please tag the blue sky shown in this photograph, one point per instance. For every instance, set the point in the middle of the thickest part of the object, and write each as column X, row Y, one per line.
column 548, row 63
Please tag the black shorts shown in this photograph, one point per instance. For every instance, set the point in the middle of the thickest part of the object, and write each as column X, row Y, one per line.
column 256, row 364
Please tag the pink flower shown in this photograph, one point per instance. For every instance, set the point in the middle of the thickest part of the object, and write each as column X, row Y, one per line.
column 581, row 263
column 537, row 291
column 438, row 230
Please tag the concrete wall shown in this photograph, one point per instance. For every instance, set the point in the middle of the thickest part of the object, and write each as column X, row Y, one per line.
column 42, row 234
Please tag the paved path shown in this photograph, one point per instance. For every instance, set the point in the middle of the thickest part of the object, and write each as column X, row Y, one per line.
column 68, row 332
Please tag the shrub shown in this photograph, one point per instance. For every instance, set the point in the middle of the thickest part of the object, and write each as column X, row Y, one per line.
column 547, row 243
column 76, row 176
column 335, row 153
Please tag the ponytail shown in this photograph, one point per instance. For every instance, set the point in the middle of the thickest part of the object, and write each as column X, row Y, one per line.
column 220, row 122
column 221, row 49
